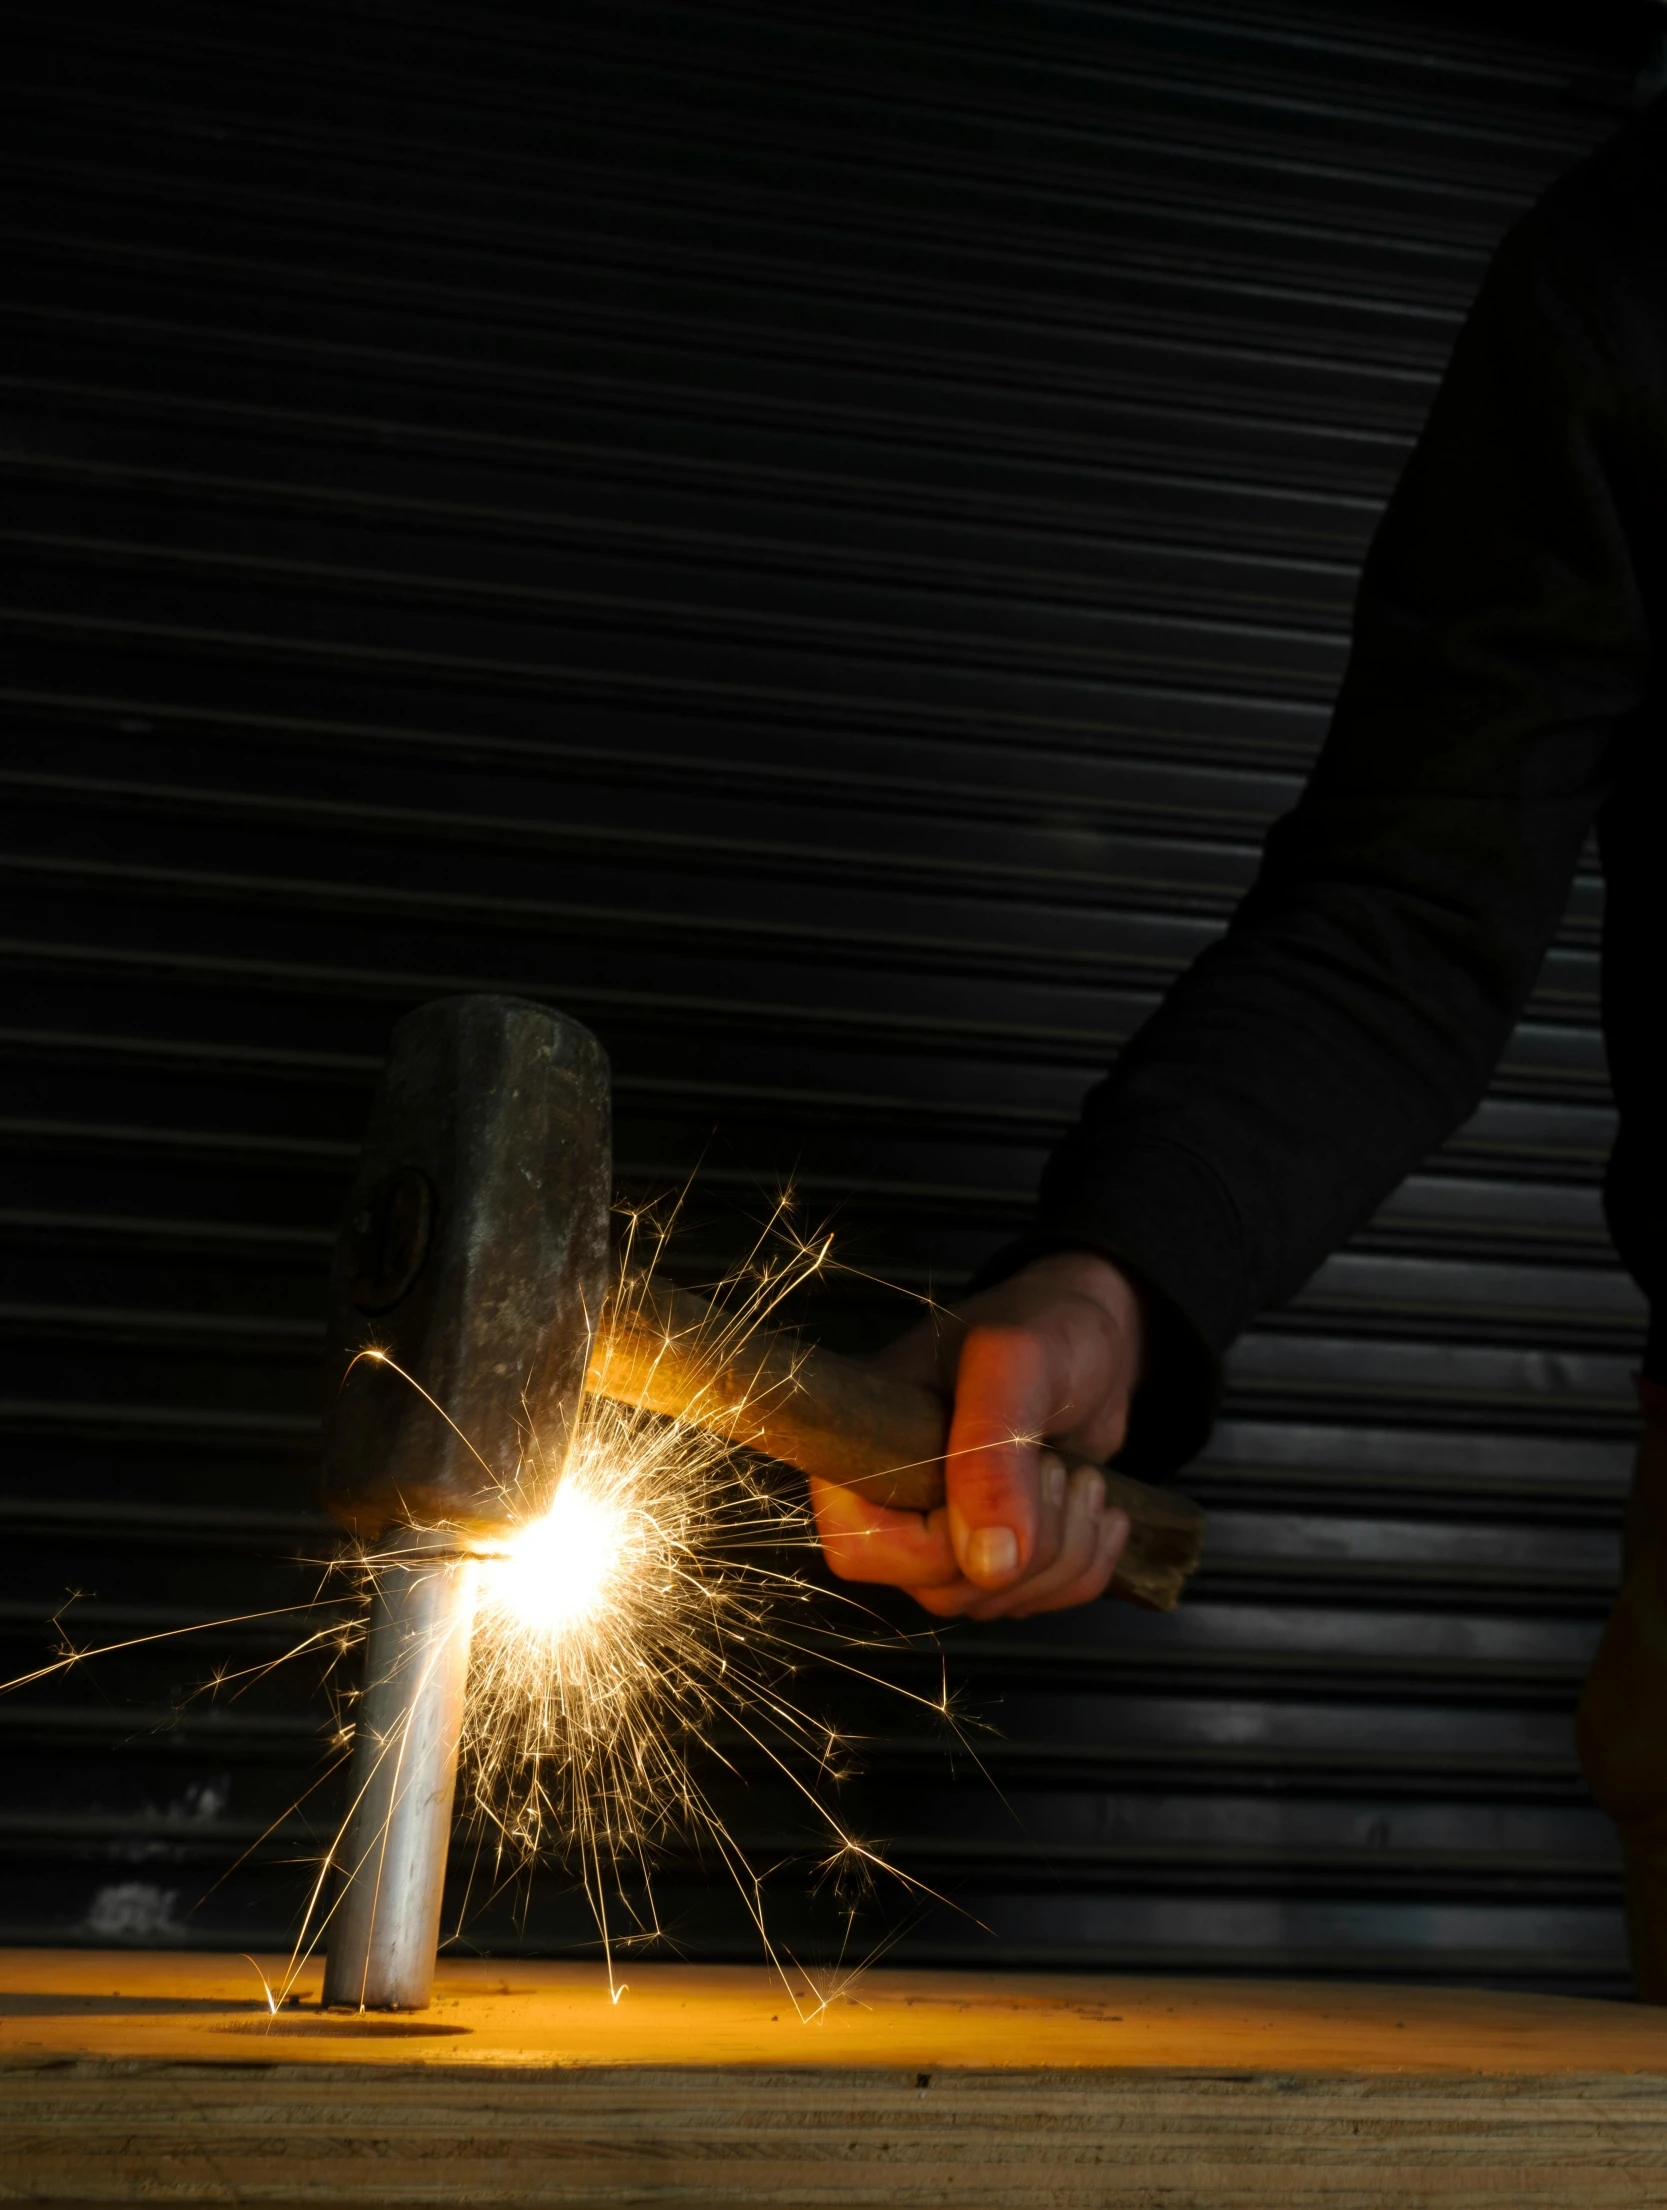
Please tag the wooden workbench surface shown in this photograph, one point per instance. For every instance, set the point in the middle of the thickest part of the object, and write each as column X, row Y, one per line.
column 130, row 2077
column 110, row 2005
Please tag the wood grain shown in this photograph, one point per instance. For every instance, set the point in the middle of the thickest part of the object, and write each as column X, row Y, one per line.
column 163, row 2079
column 671, row 1352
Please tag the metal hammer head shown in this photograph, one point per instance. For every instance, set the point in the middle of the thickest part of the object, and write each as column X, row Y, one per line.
column 474, row 1254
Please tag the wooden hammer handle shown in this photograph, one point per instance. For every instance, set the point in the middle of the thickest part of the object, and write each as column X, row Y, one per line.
column 671, row 1352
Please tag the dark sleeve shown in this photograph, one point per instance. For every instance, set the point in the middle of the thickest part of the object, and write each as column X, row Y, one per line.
column 1350, row 1017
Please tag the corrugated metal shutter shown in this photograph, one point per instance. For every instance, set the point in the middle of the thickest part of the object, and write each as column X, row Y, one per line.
column 816, row 539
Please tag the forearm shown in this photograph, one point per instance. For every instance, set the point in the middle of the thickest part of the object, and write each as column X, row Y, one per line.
column 1354, row 1011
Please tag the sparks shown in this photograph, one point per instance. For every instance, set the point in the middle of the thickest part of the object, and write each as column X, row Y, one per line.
column 634, row 1624
column 616, row 1631
column 556, row 1574
column 642, row 1623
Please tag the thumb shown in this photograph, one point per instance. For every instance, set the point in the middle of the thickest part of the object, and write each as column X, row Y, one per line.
column 992, row 1461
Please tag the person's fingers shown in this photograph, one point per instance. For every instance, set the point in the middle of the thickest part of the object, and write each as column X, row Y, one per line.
column 953, row 1602
column 1109, row 1535
column 1078, row 1534
column 1053, row 1488
column 963, row 1599
column 863, row 1541
column 1092, row 1583
column 992, row 1471
column 1052, row 1353
column 1053, row 1492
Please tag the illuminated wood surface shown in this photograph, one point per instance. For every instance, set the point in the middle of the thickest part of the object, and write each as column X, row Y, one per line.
column 165, row 2078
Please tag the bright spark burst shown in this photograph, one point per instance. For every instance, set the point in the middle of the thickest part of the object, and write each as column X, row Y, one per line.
column 639, row 1621
column 558, row 1575
column 643, row 1623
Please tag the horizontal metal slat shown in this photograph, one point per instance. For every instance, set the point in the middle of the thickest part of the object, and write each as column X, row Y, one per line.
column 494, row 98
column 1561, row 1145
column 1065, row 711
column 937, row 779
column 1275, row 516
column 624, row 124
column 1554, row 1390
column 594, row 212
column 662, row 577
column 1447, row 1469
column 1255, row 307
column 1425, row 1292
column 1089, row 570
column 1092, row 868
column 498, row 630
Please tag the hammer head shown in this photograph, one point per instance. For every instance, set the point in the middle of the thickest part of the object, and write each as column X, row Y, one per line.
column 475, row 1255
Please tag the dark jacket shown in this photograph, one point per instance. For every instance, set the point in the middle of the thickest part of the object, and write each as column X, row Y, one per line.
column 1502, row 695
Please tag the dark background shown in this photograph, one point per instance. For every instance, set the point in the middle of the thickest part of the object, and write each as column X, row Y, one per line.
column 816, row 538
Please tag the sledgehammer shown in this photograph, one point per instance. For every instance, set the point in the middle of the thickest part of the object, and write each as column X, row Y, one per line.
column 474, row 1254
column 474, row 1257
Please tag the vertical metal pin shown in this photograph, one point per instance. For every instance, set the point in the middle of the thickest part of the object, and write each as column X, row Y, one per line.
column 386, row 1921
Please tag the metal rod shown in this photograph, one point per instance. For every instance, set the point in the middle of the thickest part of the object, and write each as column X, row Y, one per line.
column 386, row 1922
